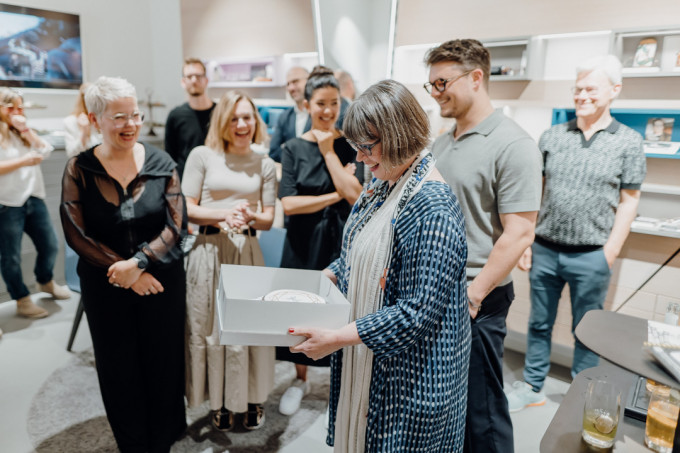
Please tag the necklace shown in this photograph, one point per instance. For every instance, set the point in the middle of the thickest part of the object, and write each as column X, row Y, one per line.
column 125, row 174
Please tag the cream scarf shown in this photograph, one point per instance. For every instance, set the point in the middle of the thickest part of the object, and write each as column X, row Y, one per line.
column 368, row 261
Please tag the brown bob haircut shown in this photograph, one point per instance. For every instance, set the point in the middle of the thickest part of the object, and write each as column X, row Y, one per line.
column 469, row 53
column 218, row 137
column 388, row 111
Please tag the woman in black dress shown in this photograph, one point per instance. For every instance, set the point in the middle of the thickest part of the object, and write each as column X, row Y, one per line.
column 123, row 213
column 319, row 184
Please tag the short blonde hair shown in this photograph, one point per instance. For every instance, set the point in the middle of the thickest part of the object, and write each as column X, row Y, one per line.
column 105, row 90
column 218, row 137
column 388, row 111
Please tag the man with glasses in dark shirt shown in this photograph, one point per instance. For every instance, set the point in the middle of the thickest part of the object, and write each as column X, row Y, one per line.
column 187, row 124
column 494, row 169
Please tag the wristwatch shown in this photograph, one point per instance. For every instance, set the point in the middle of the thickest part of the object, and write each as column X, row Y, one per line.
column 140, row 264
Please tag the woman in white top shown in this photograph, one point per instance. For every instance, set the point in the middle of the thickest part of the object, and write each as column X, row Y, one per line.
column 80, row 133
column 22, row 206
column 230, row 192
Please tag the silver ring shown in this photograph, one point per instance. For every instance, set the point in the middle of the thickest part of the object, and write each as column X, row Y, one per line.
column 116, row 285
column 147, row 293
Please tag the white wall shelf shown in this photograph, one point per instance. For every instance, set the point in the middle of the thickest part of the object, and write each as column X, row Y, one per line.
column 660, row 188
column 663, row 62
column 511, row 56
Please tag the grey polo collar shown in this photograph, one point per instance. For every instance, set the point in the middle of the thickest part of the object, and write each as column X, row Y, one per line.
column 487, row 125
column 612, row 128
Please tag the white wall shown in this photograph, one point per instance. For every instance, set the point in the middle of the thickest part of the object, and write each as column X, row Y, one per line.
column 355, row 38
column 139, row 40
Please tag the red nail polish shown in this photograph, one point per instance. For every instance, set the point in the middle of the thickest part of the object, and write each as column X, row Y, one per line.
column 291, row 330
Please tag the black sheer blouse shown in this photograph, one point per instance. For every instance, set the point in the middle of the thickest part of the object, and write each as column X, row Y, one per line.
column 105, row 223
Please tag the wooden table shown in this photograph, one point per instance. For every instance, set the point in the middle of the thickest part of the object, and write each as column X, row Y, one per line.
column 618, row 339
column 564, row 432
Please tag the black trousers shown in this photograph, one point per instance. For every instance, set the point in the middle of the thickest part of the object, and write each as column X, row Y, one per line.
column 488, row 426
column 139, row 352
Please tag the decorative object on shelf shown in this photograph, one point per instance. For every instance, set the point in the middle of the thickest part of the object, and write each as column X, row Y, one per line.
column 502, row 71
column 659, row 129
column 150, row 103
column 645, row 53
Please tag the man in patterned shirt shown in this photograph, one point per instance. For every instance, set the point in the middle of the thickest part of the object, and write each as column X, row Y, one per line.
column 593, row 169
column 494, row 169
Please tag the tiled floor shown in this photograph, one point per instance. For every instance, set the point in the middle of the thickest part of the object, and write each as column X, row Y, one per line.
column 31, row 350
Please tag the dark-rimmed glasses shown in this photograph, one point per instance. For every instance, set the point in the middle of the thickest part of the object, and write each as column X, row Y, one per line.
column 440, row 84
column 367, row 149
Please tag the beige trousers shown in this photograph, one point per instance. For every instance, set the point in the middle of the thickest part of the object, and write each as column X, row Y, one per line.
column 230, row 376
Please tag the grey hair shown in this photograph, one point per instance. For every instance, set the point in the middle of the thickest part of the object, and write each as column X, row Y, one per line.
column 105, row 90
column 388, row 111
column 609, row 64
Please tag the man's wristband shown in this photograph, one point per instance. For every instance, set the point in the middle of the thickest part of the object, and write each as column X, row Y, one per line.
column 473, row 305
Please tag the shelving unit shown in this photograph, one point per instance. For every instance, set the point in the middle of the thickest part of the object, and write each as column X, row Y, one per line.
column 510, row 57
column 512, row 54
column 666, row 61
column 239, row 73
column 258, row 72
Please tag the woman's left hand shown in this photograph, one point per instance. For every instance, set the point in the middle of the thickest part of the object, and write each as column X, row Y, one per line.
column 319, row 342
column 147, row 285
column 124, row 273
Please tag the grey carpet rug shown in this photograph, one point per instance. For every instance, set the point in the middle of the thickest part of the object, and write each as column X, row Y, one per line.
column 67, row 415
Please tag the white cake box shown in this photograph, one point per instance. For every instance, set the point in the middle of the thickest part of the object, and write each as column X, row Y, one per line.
column 245, row 319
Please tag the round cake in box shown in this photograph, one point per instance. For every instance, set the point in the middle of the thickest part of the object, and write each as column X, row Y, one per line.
column 294, row 295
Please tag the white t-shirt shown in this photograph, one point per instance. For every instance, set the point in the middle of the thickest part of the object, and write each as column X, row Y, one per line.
column 17, row 186
column 301, row 118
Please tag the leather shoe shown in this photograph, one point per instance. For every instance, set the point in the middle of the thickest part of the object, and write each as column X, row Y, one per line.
column 27, row 309
column 254, row 418
column 223, row 420
column 58, row 292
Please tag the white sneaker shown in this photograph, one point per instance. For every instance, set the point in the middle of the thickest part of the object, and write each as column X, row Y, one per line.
column 523, row 395
column 292, row 397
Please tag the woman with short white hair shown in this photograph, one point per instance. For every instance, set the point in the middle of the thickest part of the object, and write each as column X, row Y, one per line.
column 123, row 213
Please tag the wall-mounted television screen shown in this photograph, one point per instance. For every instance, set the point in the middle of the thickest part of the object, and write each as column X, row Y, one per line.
column 39, row 48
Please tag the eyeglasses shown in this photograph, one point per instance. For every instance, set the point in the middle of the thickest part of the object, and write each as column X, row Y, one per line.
column 367, row 150
column 590, row 91
column 194, row 76
column 440, row 84
column 12, row 106
column 121, row 119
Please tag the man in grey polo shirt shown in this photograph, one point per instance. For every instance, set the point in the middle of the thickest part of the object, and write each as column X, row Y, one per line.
column 593, row 169
column 494, row 169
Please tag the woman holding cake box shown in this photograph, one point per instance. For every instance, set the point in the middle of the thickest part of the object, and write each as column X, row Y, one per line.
column 224, row 182
column 399, row 376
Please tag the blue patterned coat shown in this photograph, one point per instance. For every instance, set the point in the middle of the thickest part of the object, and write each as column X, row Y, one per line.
column 421, row 336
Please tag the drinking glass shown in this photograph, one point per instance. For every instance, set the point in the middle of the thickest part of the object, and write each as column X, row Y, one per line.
column 601, row 413
column 662, row 417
